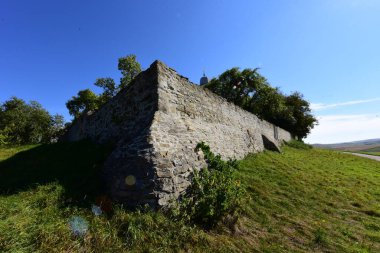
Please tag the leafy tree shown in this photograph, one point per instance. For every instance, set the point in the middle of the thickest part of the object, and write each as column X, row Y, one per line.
column 13, row 120
column 109, row 88
column 85, row 101
column 251, row 91
column 129, row 68
column 39, row 124
column 57, row 126
column 22, row 123
column 236, row 86
column 302, row 119
column 268, row 103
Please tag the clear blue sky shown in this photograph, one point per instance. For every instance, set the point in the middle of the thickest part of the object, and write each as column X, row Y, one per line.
column 327, row 49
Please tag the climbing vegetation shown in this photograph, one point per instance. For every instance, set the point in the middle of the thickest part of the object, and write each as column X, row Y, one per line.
column 215, row 193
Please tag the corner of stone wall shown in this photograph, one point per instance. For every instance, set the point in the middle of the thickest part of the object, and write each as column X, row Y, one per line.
column 175, row 156
column 130, row 170
column 155, row 125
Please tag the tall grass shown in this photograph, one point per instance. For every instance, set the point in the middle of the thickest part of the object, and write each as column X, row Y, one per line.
column 299, row 201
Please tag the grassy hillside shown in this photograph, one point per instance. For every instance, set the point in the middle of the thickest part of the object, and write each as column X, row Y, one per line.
column 298, row 201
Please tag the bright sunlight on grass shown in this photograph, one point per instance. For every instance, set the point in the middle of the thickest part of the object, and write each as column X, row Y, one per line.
column 298, row 201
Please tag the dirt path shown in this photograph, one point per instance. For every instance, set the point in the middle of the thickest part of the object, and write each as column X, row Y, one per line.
column 373, row 157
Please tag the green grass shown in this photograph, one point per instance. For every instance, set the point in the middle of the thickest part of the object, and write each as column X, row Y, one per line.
column 298, row 201
column 298, row 144
column 6, row 152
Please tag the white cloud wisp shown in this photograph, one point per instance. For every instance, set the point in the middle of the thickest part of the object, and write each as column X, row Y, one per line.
column 321, row 106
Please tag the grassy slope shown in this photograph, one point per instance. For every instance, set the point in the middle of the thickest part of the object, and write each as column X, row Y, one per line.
column 299, row 201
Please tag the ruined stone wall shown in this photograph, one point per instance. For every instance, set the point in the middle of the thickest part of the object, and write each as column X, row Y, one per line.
column 124, row 124
column 155, row 126
column 188, row 114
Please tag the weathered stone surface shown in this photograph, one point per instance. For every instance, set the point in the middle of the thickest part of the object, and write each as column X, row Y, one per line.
column 154, row 126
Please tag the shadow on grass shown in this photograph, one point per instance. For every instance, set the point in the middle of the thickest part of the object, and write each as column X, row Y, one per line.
column 76, row 166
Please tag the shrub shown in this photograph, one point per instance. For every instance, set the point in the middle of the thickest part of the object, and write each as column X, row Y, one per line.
column 298, row 144
column 3, row 138
column 215, row 192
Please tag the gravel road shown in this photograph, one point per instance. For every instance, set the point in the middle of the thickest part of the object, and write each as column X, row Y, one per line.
column 373, row 157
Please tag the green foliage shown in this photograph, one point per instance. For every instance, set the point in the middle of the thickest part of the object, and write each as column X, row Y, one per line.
column 251, row 91
column 4, row 133
column 301, row 120
column 84, row 102
column 236, row 86
column 57, row 127
column 320, row 237
column 22, row 123
column 129, row 68
column 298, row 145
column 215, row 192
column 109, row 88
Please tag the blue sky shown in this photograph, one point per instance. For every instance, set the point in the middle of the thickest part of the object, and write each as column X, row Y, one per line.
column 329, row 50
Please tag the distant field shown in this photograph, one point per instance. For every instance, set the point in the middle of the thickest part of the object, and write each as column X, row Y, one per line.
column 369, row 153
column 372, row 145
column 365, row 148
column 375, row 149
column 298, row 201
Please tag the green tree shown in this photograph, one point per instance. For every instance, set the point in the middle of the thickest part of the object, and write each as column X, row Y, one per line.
column 236, row 86
column 57, row 126
column 22, row 123
column 39, row 124
column 85, row 101
column 129, row 68
column 302, row 118
column 251, row 91
column 268, row 103
column 13, row 120
column 109, row 88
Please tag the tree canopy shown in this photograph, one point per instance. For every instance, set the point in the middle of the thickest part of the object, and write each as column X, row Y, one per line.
column 251, row 91
column 129, row 68
column 86, row 100
column 27, row 123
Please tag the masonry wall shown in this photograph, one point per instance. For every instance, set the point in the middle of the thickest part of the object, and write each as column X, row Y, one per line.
column 188, row 114
column 154, row 127
column 124, row 124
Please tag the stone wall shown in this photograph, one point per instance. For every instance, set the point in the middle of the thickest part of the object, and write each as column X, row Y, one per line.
column 154, row 127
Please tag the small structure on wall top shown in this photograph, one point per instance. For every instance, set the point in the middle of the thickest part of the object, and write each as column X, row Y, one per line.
column 204, row 79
